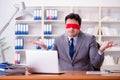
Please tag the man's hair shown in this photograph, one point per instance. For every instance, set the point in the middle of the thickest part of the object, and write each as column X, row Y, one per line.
column 73, row 16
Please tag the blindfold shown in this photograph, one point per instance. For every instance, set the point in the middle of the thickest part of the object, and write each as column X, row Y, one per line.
column 74, row 26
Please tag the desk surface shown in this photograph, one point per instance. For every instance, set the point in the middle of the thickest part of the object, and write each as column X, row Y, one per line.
column 68, row 75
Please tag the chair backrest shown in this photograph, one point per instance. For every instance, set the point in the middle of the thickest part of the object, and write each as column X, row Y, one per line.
column 97, row 69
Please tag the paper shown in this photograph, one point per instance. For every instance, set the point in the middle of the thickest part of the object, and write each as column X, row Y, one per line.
column 96, row 72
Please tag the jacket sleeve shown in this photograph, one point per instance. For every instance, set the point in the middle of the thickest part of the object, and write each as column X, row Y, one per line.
column 95, row 58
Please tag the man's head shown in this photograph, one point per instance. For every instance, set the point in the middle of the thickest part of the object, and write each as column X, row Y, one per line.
column 73, row 24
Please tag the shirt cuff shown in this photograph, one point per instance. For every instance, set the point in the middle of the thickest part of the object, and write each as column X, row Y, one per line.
column 100, row 53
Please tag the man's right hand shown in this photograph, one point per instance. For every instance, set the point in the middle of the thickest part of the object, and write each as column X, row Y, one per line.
column 106, row 45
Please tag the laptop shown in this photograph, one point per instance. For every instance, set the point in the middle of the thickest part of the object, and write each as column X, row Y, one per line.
column 42, row 61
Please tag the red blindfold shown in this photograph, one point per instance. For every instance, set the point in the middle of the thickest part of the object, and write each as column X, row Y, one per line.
column 74, row 26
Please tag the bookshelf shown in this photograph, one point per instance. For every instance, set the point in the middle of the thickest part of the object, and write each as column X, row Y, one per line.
column 110, row 22
column 48, row 22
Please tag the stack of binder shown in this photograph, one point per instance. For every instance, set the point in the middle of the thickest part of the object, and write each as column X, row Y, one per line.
column 12, row 69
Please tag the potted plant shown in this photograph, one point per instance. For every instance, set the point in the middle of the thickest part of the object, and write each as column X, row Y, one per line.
column 3, row 48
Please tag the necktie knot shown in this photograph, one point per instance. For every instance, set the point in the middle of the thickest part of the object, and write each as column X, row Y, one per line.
column 72, row 40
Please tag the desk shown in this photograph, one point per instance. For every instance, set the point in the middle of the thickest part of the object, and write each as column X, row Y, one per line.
column 68, row 75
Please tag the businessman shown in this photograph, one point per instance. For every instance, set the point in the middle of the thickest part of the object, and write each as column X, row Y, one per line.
column 77, row 50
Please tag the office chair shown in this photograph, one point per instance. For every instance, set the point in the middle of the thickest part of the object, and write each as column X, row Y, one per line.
column 97, row 69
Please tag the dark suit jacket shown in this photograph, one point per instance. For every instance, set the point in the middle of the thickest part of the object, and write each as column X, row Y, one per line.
column 86, row 55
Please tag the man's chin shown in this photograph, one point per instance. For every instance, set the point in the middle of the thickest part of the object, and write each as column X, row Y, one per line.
column 71, row 35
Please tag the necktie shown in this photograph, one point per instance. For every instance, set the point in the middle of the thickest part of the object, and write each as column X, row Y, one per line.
column 71, row 48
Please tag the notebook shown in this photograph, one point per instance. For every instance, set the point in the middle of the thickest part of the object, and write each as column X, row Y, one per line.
column 42, row 61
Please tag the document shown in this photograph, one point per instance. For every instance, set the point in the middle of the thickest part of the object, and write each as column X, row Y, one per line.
column 96, row 72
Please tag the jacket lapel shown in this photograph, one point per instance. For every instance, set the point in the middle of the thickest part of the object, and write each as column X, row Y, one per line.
column 66, row 46
column 79, row 42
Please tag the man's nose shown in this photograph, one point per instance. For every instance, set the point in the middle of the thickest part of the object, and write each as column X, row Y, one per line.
column 71, row 28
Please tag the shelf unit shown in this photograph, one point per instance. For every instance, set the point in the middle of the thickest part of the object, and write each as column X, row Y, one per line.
column 110, row 18
column 94, row 18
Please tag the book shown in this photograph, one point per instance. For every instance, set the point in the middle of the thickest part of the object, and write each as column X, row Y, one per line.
column 111, row 68
column 12, row 69
column 96, row 30
column 15, row 71
column 119, row 60
column 108, row 60
column 106, row 31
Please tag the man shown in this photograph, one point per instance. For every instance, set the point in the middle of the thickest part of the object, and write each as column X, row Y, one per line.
column 84, row 53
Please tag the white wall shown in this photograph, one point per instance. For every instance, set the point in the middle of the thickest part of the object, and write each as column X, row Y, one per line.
column 74, row 2
column 7, row 9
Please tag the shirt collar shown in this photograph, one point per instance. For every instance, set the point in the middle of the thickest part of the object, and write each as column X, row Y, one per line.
column 75, row 38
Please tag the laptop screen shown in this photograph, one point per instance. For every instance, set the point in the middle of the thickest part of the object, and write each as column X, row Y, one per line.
column 41, row 61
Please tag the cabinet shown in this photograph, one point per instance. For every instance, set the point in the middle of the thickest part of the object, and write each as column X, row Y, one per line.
column 48, row 22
